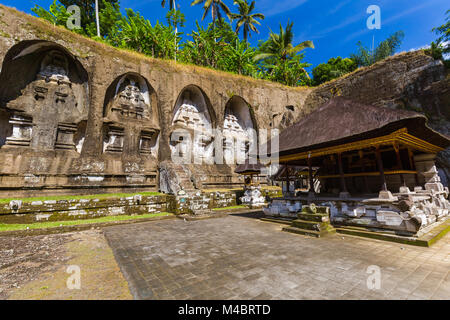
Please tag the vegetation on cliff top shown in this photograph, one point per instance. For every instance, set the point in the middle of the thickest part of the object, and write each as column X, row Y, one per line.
column 219, row 45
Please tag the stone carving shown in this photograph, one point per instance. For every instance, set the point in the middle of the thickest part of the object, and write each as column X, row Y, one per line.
column 236, row 141
column 44, row 115
column 22, row 130
column 283, row 208
column 253, row 197
column 404, row 211
column 131, row 124
column 65, row 136
column 146, row 141
column 114, row 141
column 197, row 126
column 131, row 101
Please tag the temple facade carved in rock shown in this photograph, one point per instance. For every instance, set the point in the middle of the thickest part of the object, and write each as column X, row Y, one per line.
column 76, row 116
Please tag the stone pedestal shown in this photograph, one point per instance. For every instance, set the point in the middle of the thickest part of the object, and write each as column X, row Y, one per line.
column 145, row 142
column 115, row 139
column 253, row 197
column 22, row 129
column 64, row 136
column 312, row 221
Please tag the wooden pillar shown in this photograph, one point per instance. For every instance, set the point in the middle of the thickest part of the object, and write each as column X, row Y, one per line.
column 399, row 162
column 413, row 165
column 363, row 167
column 341, row 173
column 287, row 180
column 310, row 174
column 381, row 169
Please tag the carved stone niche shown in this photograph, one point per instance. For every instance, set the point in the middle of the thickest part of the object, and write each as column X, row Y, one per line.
column 236, row 140
column 114, row 139
column 50, row 87
column 238, row 129
column 22, row 128
column 191, row 114
column 131, row 99
column 65, row 136
column 147, row 141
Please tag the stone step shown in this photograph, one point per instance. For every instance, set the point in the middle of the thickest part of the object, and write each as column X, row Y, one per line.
column 310, row 225
column 275, row 220
column 311, row 233
column 317, row 217
column 425, row 240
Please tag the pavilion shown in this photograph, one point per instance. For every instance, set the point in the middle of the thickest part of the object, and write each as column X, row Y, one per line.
column 364, row 153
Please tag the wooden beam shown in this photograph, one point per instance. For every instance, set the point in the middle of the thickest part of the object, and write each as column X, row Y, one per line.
column 363, row 167
column 310, row 174
column 341, row 173
column 381, row 169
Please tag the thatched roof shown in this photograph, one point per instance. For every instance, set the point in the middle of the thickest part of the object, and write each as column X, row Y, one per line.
column 342, row 121
column 247, row 168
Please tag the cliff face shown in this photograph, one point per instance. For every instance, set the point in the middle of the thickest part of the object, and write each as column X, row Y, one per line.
column 412, row 81
column 100, row 148
column 94, row 140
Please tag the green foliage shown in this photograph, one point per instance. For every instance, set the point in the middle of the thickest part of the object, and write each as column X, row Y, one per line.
column 334, row 68
column 109, row 17
column 366, row 57
column 435, row 50
column 215, row 7
column 137, row 33
column 209, row 45
column 245, row 18
column 56, row 14
column 443, row 32
column 281, row 60
column 216, row 46
column 87, row 10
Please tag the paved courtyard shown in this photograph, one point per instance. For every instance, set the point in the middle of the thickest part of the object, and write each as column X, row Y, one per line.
column 239, row 257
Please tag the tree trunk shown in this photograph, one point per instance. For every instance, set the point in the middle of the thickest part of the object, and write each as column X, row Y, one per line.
column 246, row 34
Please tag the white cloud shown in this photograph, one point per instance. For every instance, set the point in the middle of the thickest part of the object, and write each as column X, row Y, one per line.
column 427, row 46
column 271, row 7
column 390, row 19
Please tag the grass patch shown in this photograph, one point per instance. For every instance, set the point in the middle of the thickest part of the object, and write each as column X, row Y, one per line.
column 231, row 208
column 55, row 224
column 89, row 196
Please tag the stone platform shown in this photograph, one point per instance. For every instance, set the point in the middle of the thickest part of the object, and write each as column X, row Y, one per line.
column 426, row 240
column 241, row 257
column 312, row 221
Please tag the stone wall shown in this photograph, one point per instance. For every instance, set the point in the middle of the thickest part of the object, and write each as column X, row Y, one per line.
column 18, row 211
column 77, row 115
column 119, row 107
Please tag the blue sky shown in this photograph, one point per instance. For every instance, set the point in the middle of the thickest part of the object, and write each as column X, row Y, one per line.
column 334, row 26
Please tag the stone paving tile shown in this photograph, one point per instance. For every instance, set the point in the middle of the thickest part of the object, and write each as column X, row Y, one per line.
column 238, row 257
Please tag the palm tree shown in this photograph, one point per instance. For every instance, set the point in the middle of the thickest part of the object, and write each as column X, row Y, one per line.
column 172, row 6
column 280, row 45
column 246, row 18
column 216, row 6
column 281, row 53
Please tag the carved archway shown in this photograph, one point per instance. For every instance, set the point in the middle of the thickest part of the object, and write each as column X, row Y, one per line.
column 193, row 121
column 239, row 131
column 131, row 117
column 44, row 97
